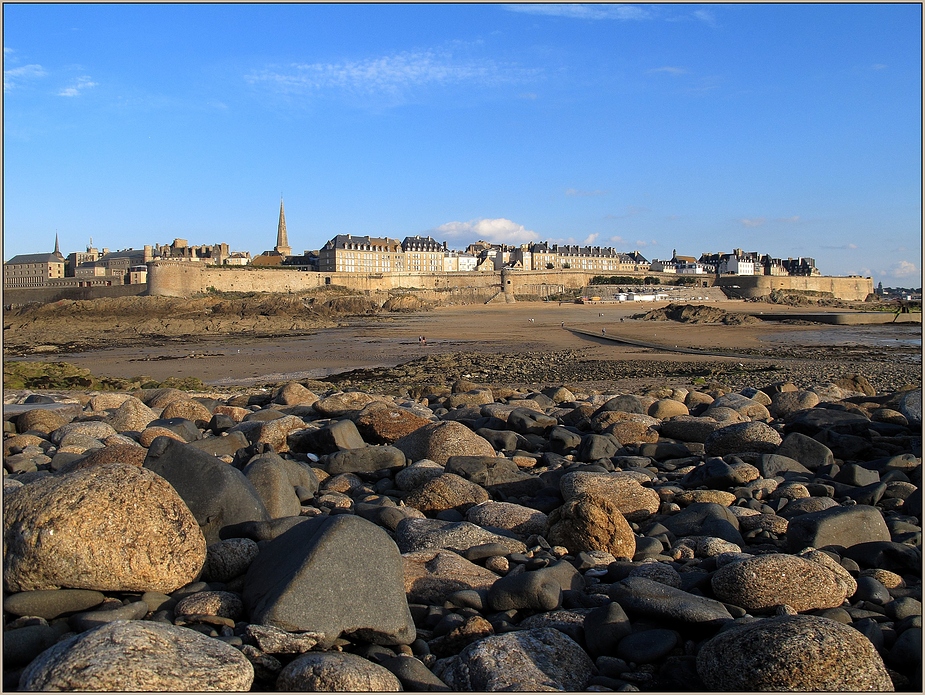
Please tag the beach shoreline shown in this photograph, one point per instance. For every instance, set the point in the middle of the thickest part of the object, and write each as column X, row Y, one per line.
column 387, row 341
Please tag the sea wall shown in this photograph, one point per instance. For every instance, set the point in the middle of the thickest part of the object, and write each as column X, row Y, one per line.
column 47, row 295
column 184, row 279
column 852, row 288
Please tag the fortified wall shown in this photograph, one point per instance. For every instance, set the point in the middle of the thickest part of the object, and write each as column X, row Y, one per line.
column 852, row 288
column 185, row 279
column 47, row 295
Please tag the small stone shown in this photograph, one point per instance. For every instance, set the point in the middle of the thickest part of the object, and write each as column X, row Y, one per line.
column 228, row 559
column 221, row 603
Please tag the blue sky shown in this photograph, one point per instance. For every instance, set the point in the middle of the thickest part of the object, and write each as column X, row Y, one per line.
column 794, row 130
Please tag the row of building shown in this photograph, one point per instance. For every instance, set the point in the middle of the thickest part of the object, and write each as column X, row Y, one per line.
column 346, row 253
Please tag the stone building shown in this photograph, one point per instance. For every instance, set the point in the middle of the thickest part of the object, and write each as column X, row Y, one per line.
column 362, row 254
column 423, row 254
column 598, row 259
column 33, row 269
column 180, row 250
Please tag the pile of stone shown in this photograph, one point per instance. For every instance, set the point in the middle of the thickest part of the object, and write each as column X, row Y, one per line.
column 765, row 539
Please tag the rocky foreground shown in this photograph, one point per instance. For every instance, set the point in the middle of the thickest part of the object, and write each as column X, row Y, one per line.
column 482, row 539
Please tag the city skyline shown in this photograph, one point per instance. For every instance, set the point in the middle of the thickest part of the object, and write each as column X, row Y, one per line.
column 793, row 130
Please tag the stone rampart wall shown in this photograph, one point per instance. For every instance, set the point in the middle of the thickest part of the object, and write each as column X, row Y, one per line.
column 182, row 279
column 47, row 295
column 854, row 288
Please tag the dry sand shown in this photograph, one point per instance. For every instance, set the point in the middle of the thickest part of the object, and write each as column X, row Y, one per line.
column 393, row 339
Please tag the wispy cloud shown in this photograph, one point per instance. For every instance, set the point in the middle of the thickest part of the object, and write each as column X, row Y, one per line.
column 842, row 247
column 576, row 193
column 788, row 220
column 596, row 12
column 14, row 77
column 903, row 269
column 499, row 230
column 77, row 88
column 878, row 66
column 617, row 240
column 590, row 239
column 705, row 16
column 668, row 70
column 640, row 244
column 390, row 75
column 752, row 222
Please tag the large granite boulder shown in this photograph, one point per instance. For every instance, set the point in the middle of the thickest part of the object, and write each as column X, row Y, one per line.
column 382, row 423
column 447, row 491
column 763, row 582
column 792, row 653
column 336, row 672
column 335, row 575
column 634, row 501
column 139, row 655
column 586, row 523
column 114, row 527
column 535, row 659
column 441, row 440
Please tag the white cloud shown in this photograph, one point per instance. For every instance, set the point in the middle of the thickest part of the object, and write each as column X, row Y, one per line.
column 617, row 240
column 590, row 239
column 668, row 69
column 15, row 76
column 842, row 247
column 76, row 89
column 903, row 269
column 752, row 222
column 705, row 16
column 390, row 75
column 642, row 244
column 575, row 193
column 878, row 66
column 793, row 219
column 499, row 230
column 619, row 12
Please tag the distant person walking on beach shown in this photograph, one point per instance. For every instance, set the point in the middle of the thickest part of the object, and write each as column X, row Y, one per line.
column 423, row 341
column 603, row 331
column 563, row 324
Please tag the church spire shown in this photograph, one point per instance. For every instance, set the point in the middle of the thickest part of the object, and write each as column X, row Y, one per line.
column 282, row 240
column 57, row 248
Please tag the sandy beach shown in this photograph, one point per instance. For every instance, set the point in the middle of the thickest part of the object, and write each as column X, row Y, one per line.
column 496, row 329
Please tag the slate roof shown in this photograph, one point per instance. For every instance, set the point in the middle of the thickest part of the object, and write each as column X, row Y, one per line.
column 35, row 258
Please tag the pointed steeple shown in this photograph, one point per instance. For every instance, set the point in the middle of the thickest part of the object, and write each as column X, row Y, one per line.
column 282, row 240
column 57, row 251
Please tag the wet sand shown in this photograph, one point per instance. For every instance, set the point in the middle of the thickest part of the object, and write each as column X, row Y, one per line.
column 386, row 341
